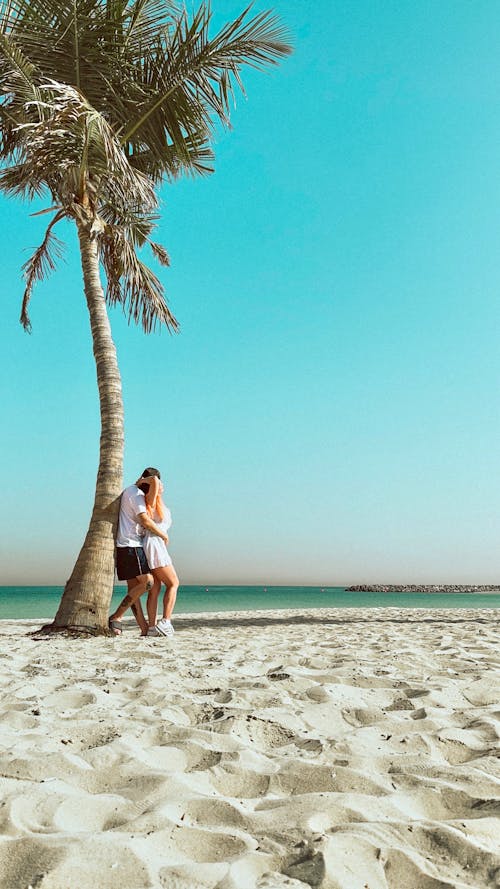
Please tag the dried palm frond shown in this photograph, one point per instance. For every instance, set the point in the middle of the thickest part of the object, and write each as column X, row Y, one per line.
column 39, row 266
column 132, row 284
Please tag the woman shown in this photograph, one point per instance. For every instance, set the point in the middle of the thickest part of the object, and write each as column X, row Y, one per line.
column 159, row 561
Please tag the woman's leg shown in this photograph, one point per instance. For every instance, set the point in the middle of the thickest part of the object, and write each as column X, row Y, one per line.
column 152, row 605
column 169, row 578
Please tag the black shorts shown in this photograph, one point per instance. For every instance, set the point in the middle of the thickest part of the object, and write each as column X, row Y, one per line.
column 131, row 562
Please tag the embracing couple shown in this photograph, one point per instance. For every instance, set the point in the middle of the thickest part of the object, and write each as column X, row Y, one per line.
column 142, row 557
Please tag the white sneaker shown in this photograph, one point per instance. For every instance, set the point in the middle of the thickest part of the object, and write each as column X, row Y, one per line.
column 165, row 627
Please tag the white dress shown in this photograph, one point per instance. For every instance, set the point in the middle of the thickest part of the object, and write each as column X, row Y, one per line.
column 156, row 548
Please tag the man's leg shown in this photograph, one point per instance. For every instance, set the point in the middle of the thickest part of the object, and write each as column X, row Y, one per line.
column 136, row 587
column 136, row 605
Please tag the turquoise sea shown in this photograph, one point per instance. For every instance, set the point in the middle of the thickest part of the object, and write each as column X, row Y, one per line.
column 42, row 601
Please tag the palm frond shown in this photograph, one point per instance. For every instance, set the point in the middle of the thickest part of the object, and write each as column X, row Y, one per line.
column 101, row 101
column 46, row 210
column 164, row 162
column 188, row 77
column 61, row 147
column 132, row 284
column 134, row 222
column 39, row 266
column 155, row 72
column 20, row 180
column 16, row 71
column 259, row 42
column 160, row 253
column 145, row 20
column 17, row 89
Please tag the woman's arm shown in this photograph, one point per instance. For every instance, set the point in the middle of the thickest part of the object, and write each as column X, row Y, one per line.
column 154, row 487
column 145, row 480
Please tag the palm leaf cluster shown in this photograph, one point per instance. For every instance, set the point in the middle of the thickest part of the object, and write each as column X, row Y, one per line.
column 71, row 150
column 101, row 101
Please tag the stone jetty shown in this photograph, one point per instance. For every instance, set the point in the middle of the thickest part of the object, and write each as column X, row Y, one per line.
column 424, row 588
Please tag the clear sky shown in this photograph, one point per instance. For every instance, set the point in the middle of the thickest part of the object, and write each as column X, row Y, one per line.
column 329, row 412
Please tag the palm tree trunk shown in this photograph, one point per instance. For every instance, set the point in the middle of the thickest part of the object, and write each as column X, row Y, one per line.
column 87, row 594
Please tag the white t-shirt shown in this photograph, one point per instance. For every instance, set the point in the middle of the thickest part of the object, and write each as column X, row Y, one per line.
column 132, row 504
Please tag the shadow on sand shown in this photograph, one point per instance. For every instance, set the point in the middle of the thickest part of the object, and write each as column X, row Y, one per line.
column 260, row 619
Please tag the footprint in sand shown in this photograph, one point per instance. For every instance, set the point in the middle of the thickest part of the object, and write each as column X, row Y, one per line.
column 208, row 845
column 214, row 813
column 69, row 699
column 279, row 881
column 223, row 697
column 55, row 806
column 25, row 861
column 18, row 721
column 263, row 732
column 199, row 758
column 239, row 783
column 318, row 694
column 195, row 876
column 483, row 692
column 300, row 777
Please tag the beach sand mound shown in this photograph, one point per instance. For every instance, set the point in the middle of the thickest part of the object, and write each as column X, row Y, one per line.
column 352, row 749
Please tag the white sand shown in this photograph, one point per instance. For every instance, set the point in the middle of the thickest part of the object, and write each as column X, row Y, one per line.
column 352, row 749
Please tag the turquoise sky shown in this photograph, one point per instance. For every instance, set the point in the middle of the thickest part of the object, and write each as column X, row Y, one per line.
column 329, row 412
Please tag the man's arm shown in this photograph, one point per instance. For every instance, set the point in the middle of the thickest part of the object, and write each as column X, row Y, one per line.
column 147, row 523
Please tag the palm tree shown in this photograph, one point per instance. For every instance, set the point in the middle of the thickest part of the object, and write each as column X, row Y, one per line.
column 102, row 101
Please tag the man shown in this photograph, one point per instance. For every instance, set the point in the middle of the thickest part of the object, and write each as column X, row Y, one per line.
column 131, row 562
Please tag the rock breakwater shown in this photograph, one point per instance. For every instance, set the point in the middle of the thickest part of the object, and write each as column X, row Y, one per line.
column 423, row 588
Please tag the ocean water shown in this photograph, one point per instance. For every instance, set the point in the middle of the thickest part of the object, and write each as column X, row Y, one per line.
column 42, row 601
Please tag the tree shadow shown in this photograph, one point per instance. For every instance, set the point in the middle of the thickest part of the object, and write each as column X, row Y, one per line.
column 232, row 621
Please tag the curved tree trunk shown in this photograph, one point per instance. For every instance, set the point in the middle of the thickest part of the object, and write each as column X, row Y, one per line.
column 87, row 594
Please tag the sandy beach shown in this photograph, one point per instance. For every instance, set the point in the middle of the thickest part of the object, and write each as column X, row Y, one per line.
column 344, row 749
